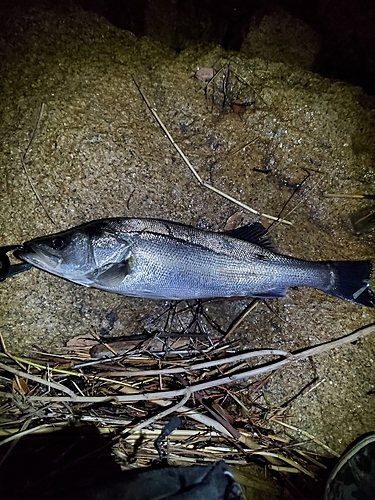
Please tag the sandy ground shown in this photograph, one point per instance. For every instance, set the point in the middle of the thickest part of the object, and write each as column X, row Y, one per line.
column 98, row 152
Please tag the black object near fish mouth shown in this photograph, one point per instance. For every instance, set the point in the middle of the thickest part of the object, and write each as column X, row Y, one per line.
column 22, row 250
column 18, row 252
column 6, row 268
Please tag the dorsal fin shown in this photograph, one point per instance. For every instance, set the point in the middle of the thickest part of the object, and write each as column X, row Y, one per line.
column 253, row 233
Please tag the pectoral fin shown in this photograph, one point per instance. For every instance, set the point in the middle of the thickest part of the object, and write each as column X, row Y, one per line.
column 112, row 275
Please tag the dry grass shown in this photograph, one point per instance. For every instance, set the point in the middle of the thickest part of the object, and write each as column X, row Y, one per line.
column 132, row 388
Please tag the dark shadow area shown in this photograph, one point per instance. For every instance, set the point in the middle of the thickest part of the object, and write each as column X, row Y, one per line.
column 346, row 28
column 54, row 465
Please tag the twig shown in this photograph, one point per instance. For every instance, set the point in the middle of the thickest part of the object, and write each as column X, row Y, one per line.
column 284, row 468
column 23, row 158
column 159, row 416
column 244, row 206
column 310, row 436
column 40, row 380
column 241, row 148
column 240, row 319
column 284, row 459
column 178, row 434
column 195, row 173
column 105, row 344
column 357, row 196
column 315, row 184
column 24, row 427
column 7, row 353
column 62, row 371
column 32, row 431
column 198, row 417
column 206, row 364
column 180, row 152
column 306, row 456
column 314, row 387
column 209, row 422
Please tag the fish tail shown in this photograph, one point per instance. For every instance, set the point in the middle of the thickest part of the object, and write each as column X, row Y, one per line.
column 350, row 280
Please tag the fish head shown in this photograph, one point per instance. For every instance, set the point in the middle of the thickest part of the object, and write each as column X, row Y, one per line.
column 68, row 254
column 91, row 255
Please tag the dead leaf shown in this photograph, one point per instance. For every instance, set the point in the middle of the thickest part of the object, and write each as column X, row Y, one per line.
column 20, row 385
column 221, row 411
column 81, row 343
column 234, row 221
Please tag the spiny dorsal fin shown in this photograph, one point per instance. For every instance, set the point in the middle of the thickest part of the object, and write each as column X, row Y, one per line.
column 253, row 233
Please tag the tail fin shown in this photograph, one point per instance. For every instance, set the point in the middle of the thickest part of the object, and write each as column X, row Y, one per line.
column 351, row 281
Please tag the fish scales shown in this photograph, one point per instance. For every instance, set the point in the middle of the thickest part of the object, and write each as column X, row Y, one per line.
column 201, row 264
column 152, row 258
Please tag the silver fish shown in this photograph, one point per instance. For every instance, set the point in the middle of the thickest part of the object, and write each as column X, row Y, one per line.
column 158, row 259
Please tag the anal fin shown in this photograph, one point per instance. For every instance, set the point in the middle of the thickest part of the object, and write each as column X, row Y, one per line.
column 271, row 294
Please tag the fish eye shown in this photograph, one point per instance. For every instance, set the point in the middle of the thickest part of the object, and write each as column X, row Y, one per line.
column 58, row 243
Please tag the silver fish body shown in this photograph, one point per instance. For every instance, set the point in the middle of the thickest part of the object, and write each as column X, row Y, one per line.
column 159, row 259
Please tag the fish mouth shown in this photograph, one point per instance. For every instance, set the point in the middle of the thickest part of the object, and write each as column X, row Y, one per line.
column 36, row 257
column 22, row 252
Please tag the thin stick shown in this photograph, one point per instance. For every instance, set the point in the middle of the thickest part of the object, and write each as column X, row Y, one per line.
column 62, row 371
column 195, row 173
column 159, row 416
column 34, row 131
column 151, row 396
column 24, row 427
column 178, row 434
column 314, row 387
column 241, row 148
column 206, row 364
column 284, row 468
column 284, row 459
column 105, row 344
column 23, row 158
column 315, row 184
column 240, row 319
column 308, row 435
column 306, row 456
column 165, row 130
column 32, row 431
column 204, row 419
column 357, row 196
column 40, row 380
column 7, row 353
column 244, row 206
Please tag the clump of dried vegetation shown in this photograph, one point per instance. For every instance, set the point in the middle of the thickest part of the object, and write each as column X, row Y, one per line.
column 131, row 388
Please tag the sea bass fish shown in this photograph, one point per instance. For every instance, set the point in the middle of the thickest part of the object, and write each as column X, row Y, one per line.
column 159, row 259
